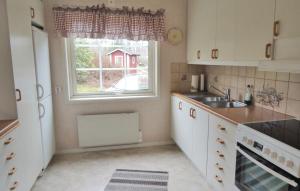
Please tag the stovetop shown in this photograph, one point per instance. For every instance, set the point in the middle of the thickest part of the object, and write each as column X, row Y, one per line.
column 286, row 131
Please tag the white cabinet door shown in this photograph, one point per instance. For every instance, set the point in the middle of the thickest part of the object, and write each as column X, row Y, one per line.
column 199, row 123
column 254, row 29
column 47, row 126
column 176, row 118
column 201, row 30
column 25, row 80
column 226, row 30
column 287, row 44
column 42, row 63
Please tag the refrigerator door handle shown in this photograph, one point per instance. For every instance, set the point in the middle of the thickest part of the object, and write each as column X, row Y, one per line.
column 42, row 108
column 40, row 91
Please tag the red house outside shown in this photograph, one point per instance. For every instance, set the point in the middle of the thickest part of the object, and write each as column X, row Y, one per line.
column 121, row 58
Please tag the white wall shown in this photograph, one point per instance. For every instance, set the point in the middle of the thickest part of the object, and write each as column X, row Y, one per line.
column 7, row 95
column 154, row 113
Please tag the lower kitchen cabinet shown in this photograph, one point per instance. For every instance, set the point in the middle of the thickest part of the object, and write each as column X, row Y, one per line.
column 207, row 140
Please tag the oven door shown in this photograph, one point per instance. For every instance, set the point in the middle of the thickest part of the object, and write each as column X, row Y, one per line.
column 254, row 173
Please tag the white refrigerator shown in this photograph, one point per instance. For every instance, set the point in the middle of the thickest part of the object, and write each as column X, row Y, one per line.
column 44, row 93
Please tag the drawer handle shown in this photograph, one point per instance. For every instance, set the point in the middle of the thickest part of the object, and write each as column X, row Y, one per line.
column 268, row 52
column 221, row 127
column 12, row 171
column 276, row 28
column 193, row 113
column 14, row 186
column 8, row 141
column 10, row 156
column 180, row 105
column 219, row 167
column 218, row 179
column 198, row 54
column 220, row 154
column 219, row 140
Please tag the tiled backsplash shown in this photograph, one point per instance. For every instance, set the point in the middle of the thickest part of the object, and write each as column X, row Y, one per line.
column 237, row 78
column 182, row 74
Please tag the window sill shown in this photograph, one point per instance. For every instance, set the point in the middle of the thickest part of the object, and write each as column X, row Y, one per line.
column 91, row 99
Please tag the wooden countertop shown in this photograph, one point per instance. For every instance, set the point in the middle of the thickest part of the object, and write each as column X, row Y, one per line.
column 7, row 125
column 239, row 115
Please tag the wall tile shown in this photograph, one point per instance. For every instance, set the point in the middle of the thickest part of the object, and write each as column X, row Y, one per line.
column 175, row 67
column 270, row 75
column 294, row 77
column 283, row 76
column 250, row 72
column 183, row 68
column 242, row 83
column 242, row 71
column 234, row 70
column 269, row 84
column 228, row 70
column 259, row 74
column 175, row 77
column 234, row 81
column 259, row 84
column 282, row 107
column 250, row 81
column 293, row 108
column 282, row 87
column 294, row 91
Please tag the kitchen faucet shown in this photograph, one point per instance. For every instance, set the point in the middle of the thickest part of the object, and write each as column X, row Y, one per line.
column 227, row 93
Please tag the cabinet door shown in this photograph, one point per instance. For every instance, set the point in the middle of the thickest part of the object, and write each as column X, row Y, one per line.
column 177, row 121
column 201, row 30
column 287, row 44
column 25, row 80
column 226, row 29
column 199, row 123
column 254, row 29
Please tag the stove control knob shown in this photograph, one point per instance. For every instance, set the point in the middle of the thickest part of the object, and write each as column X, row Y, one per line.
column 245, row 139
column 250, row 142
column 290, row 164
column 267, row 151
column 281, row 159
column 274, row 155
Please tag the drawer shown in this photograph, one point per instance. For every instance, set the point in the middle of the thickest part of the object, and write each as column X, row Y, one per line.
column 222, row 127
column 220, row 180
column 219, row 142
column 8, row 141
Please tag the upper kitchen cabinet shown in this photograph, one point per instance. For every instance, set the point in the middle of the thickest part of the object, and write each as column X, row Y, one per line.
column 225, row 31
column 201, row 30
column 287, row 29
column 254, row 29
column 37, row 12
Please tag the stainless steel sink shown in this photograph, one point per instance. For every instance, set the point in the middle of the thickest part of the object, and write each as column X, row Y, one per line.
column 225, row 104
column 215, row 101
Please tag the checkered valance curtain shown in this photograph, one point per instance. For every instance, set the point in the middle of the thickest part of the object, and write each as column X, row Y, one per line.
column 102, row 22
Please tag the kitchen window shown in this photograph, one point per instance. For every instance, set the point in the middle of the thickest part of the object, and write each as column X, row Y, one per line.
column 104, row 69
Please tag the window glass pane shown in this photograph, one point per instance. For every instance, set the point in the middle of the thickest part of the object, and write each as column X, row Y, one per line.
column 106, row 66
column 87, row 81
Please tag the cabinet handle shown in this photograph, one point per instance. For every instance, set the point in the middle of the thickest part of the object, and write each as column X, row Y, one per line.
column 10, row 156
column 276, row 28
column 14, row 186
column 219, row 140
column 180, row 105
column 193, row 113
column 218, row 179
column 219, row 167
column 216, row 55
column 8, row 141
column 221, row 127
column 213, row 53
column 19, row 97
column 268, row 52
column 12, row 171
column 32, row 12
column 198, row 54
column 220, row 154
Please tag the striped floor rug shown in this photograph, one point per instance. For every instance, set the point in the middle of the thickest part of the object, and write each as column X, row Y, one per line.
column 138, row 180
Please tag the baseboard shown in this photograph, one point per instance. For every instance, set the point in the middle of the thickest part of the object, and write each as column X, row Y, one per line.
column 105, row 148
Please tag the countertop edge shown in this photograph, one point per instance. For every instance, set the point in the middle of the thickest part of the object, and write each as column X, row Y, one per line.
column 210, row 110
column 8, row 128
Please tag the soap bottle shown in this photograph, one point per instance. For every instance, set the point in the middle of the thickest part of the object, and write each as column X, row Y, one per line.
column 248, row 95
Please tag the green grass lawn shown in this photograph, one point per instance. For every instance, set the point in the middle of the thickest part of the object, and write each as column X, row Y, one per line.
column 84, row 88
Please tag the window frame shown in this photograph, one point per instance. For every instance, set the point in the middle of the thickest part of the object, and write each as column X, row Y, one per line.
column 153, row 78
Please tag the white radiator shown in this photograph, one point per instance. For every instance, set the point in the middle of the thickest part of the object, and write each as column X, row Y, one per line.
column 108, row 129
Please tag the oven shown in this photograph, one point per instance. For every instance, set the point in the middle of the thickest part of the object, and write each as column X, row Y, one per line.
column 254, row 173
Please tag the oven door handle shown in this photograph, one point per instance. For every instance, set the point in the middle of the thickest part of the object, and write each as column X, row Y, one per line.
column 277, row 175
